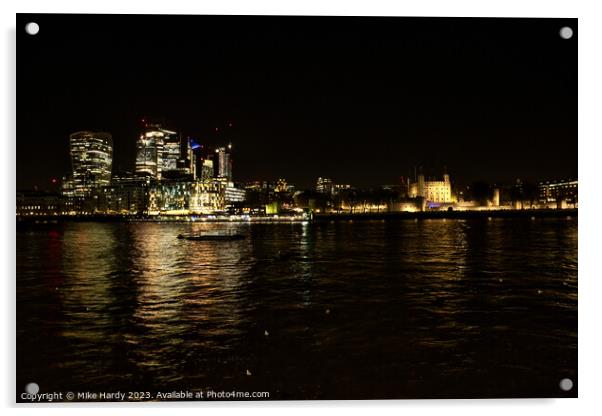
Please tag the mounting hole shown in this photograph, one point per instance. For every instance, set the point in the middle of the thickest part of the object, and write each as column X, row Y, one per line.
column 32, row 28
column 566, row 384
column 566, row 32
column 32, row 388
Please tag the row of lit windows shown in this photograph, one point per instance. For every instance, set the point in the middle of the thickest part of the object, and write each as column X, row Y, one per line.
column 38, row 207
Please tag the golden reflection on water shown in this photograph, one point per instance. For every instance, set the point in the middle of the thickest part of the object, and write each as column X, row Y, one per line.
column 134, row 304
column 87, row 264
column 185, row 286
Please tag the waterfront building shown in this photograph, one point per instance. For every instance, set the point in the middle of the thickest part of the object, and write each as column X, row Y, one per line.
column 233, row 195
column 169, row 197
column 258, row 194
column 91, row 162
column 560, row 192
column 206, row 198
column 128, row 194
column 433, row 191
column 38, row 203
column 185, row 197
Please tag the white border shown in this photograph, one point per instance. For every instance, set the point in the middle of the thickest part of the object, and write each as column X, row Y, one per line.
column 590, row 119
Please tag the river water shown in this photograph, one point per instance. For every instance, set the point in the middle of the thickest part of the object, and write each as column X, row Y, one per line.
column 337, row 310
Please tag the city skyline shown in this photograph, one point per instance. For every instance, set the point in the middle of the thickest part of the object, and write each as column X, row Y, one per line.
column 176, row 176
column 173, row 141
column 363, row 103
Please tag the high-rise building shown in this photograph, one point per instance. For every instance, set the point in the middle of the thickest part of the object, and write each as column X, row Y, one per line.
column 149, row 152
column 91, row 161
column 172, row 151
column 187, row 162
column 224, row 162
column 197, row 157
column 163, row 153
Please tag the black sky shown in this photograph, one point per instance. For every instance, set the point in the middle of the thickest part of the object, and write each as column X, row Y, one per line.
column 361, row 100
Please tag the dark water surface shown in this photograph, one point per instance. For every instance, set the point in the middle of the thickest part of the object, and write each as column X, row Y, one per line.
column 363, row 309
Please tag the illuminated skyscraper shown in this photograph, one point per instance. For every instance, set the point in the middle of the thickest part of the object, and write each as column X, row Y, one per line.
column 187, row 162
column 224, row 162
column 91, row 161
column 149, row 152
column 162, row 153
column 171, row 158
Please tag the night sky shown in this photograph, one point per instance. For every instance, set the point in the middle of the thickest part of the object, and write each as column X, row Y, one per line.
column 360, row 100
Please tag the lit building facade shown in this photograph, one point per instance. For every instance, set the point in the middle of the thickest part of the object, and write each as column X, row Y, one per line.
column 162, row 153
column 233, row 195
column 187, row 197
column 127, row 195
column 149, row 152
column 435, row 191
column 207, row 197
column 338, row 188
column 91, row 162
column 169, row 197
column 171, row 159
column 281, row 186
column 224, row 162
column 325, row 186
column 207, row 170
column 34, row 203
column 565, row 191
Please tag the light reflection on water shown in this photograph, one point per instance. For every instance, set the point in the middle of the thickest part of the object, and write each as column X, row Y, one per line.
column 369, row 309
